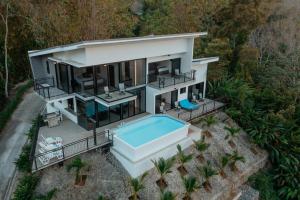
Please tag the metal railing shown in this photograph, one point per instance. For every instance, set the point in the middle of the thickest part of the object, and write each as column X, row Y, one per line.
column 162, row 81
column 102, row 139
column 46, row 88
column 205, row 108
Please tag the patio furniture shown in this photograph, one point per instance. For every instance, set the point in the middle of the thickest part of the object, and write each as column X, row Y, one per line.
column 53, row 119
column 106, row 90
column 176, row 104
column 122, row 88
column 177, row 73
column 186, row 104
column 162, row 110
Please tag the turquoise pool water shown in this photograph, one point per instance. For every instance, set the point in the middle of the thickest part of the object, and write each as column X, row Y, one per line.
column 147, row 129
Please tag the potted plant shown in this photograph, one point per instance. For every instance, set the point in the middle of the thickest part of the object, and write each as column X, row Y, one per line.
column 235, row 157
column 167, row 195
column 201, row 146
column 232, row 132
column 78, row 164
column 224, row 162
column 182, row 160
column 207, row 172
column 163, row 167
column 208, row 122
column 137, row 185
column 191, row 185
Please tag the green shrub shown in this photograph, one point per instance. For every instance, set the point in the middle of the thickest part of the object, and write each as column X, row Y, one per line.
column 48, row 196
column 25, row 188
column 263, row 182
column 23, row 163
column 7, row 112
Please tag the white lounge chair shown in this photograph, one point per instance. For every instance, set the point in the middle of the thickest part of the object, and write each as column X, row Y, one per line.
column 106, row 90
column 176, row 104
column 122, row 88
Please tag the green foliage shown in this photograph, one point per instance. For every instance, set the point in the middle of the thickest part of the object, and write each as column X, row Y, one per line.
column 190, row 184
column 232, row 132
column 235, row 157
column 209, row 121
column 25, row 188
column 225, row 161
column 76, row 164
column 182, row 157
column 201, row 145
column 7, row 112
column 137, row 185
column 48, row 196
column 23, row 164
column 263, row 181
column 164, row 166
column 167, row 195
column 207, row 171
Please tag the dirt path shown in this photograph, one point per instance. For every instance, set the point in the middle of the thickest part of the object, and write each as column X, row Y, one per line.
column 13, row 137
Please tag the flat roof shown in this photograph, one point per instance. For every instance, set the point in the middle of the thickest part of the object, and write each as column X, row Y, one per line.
column 83, row 44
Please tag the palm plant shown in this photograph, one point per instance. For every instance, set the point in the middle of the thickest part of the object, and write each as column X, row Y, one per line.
column 137, row 185
column 190, row 185
column 235, row 157
column 163, row 167
column 207, row 172
column 208, row 122
column 232, row 132
column 167, row 195
column 224, row 162
column 183, row 159
column 201, row 146
column 77, row 164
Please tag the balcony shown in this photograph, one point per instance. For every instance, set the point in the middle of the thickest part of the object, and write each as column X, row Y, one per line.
column 166, row 80
column 46, row 88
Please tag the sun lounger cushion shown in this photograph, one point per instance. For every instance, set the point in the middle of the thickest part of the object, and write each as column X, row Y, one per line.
column 185, row 104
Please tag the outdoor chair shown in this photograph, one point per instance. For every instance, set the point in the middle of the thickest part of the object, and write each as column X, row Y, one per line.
column 122, row 88
column 106, row 90
column 176, row 104
column 177, row 73
column 162, row 110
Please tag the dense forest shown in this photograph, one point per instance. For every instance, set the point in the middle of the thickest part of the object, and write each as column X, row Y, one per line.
column 258, row 74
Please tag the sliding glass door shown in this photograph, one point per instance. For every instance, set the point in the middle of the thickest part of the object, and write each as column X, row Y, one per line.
column 62, row 77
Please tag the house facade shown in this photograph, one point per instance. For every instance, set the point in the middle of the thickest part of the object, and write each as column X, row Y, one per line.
column 83, row 80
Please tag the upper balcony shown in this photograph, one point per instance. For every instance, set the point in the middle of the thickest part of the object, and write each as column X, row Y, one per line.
column 165, row 80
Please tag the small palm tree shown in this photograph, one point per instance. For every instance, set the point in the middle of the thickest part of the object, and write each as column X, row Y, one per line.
column 235, row 157
column 163, row 167
column 167, row 195
column 208, row 122
column 224, row 162
column 201, row 146
column 207, row 172
column 77, row 164
column 232, row 132
column 191, row 185
column 183, row 158
column 137, row 185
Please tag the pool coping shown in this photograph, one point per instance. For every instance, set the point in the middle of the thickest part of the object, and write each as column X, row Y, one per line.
column 186, row 124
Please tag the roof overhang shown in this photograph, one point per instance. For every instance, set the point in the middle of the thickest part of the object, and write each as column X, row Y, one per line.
column 84, row 44
column 69, row 62
column 200, row 61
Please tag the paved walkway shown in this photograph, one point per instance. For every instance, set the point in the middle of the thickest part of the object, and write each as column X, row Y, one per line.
column 13, row 137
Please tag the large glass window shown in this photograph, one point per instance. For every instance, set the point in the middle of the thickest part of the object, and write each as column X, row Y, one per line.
column 85, row 110
column 115, row 113
column 62, row 75
column 83, row 80
column 140, row 102
column 133, row 73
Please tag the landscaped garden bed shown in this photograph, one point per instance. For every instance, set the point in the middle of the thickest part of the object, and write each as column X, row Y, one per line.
column 218, row 174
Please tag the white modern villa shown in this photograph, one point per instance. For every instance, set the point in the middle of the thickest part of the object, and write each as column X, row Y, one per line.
column 97, row 83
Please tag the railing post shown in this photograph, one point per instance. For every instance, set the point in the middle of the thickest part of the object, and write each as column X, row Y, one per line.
column 63, row 151
column 94, row 133
column 87, row 143
column 159, row 81
column 48, row 93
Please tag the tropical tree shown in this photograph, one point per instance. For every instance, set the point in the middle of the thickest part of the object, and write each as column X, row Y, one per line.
column 182, row 158
column 163, row 167
column 232, row 132
column 191, row 185
column 201, row 146
column 77, row 164
column 137, row 185
column 167, row 195
column 208, row 122
column 207, row 172
column 235, row 157
column 224, row 162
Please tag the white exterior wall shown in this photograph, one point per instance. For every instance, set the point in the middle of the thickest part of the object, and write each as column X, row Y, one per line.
column 135, row 50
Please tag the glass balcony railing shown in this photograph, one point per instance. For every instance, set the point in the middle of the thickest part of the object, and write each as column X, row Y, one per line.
column 166, row 80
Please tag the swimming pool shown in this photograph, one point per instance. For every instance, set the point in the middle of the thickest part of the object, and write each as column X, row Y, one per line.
column 147, row 129
column 138, row 142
